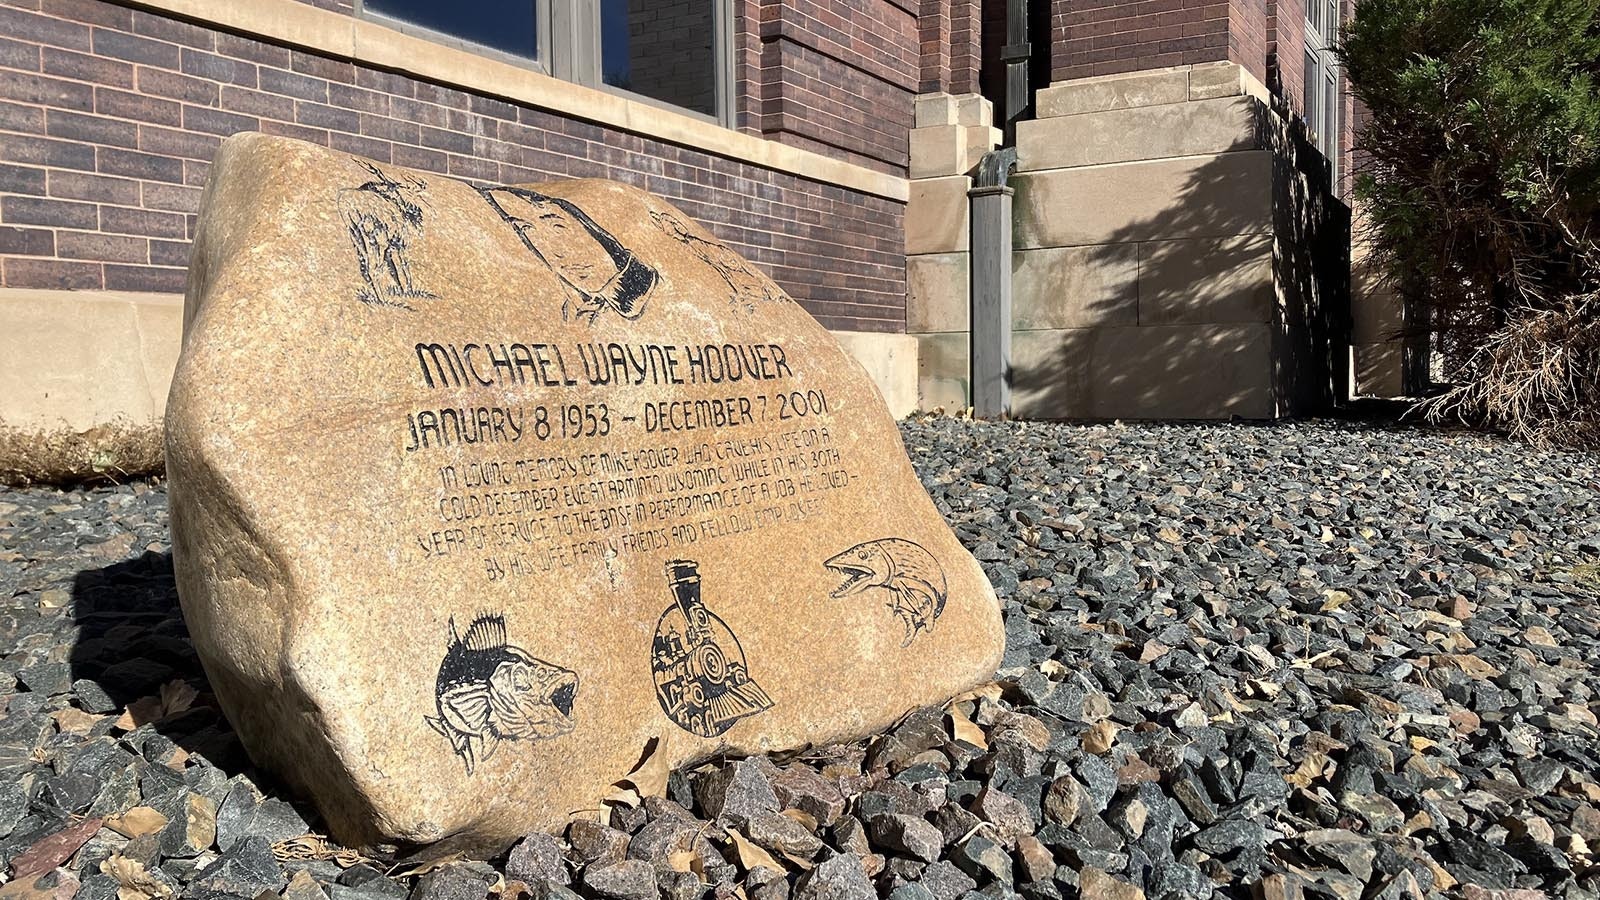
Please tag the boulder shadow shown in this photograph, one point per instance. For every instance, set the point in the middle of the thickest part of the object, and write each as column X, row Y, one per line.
column 133, row 643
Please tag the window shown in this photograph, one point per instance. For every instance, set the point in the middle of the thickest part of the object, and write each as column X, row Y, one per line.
column 509, row 26
column 663, row 50
column 1322, row 99
column 676, row 53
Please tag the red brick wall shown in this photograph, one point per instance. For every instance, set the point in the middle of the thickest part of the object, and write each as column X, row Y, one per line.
column 934, row 30
column 1247, row 36
column 815, row 104
column 966, row 45
column 838, row 76
column 953, row 46
column 1104, row 37
column 1286, row 49
column 109, row 116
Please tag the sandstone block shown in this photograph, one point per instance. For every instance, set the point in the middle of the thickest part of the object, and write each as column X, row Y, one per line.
column 1202, row 196
column 1380, row 369
column 949, row 149
column 1142, row 132
column 1075, row 287
column 1144, row 372
column 1050, row 373
column 936, row 293
column 890, row 360
column 1206, row 280
column 944, row 371
column 1183, row 371
column 1120, row 91
column 939, row 150
column 953, row 109
column 936, row 215
column 59, row 418
column 974, row 110
column 1225, row 79
column 479, row 492
column 934, row 109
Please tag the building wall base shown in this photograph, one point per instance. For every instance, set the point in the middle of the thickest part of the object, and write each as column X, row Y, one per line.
column 1176, row 253
column 953, row 133
column 83, row 382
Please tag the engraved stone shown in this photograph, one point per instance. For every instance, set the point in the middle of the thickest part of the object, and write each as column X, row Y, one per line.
column 483, row 495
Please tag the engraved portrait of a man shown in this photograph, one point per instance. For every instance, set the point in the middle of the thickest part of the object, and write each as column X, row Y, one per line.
column 597, row 270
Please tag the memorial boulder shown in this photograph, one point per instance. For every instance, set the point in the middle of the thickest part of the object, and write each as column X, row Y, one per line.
column 479, row 492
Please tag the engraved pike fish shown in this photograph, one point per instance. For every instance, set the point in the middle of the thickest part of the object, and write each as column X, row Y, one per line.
column 910, row 574
column 489, row 691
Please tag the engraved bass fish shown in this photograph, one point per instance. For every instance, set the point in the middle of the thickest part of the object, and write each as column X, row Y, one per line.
column 489, row 691
column 910, row 574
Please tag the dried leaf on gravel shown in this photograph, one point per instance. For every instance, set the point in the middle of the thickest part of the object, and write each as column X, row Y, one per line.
column 963, row 728
column 685, row 861
column 1310, row 770
column 176, row 696
column 402, row 870
column 619, row 795
column 134, row 881
column 60, row 886
column 750, row 855
column 510, row 889
column 649, row 777
column 315, row 846
column 991, row 691
column 1310, row 661
column 804, row 818
column 48, row 852
column 136, row 822
column 74, row 721
column 1053, row 668
column 1472, row 665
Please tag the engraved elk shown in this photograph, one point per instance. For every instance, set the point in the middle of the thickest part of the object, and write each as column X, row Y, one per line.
column 384, row 216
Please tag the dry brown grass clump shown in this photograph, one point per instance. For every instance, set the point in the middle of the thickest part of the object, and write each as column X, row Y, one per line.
column 1537, row 378
column 112, row 452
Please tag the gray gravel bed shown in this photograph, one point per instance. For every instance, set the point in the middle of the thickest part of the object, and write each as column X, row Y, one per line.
column 1303, row 661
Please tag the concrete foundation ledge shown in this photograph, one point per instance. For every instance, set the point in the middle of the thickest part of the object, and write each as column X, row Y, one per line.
column 83, row 382
column 1148, row 87
column 891, row 362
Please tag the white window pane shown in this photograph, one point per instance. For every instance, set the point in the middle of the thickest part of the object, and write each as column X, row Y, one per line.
column 1331, row 115
column 507, row 25
column 1313, row 77
column 662, row 49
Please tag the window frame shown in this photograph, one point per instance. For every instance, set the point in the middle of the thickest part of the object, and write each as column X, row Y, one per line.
column 578, row 58
column 722, row 53
column 541, row 18
column 1324, row 113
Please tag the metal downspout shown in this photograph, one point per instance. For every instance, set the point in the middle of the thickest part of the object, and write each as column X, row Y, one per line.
column 989, row 237
column 989, row 274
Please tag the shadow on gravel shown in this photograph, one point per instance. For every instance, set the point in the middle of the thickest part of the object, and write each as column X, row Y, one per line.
column 133, row 644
